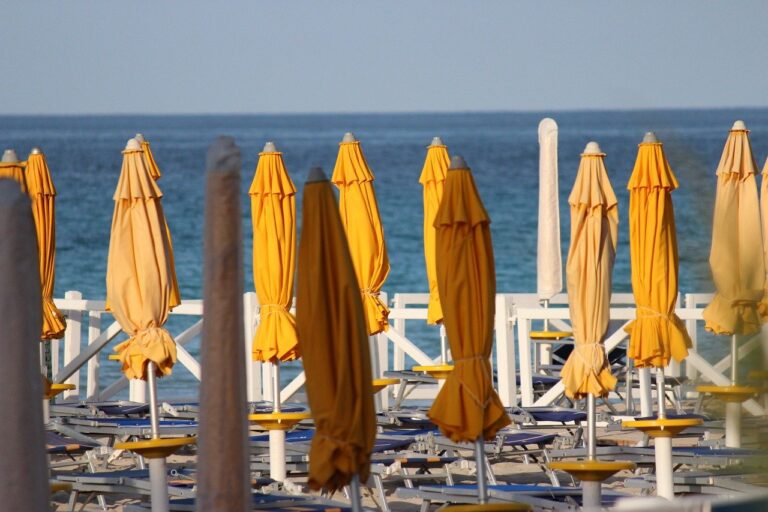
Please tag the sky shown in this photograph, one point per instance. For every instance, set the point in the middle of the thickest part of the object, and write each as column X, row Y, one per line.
column 248, row 56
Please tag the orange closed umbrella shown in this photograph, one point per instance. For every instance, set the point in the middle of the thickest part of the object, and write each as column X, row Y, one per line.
column 736, row 255
column 362, row 224
column 43, row 196
column 10, row 167
column 273, row 212
column 433, row 180
column 467, row 408
column 139, row 269
column 594, row 230
column 334, row 344
column 657, row 334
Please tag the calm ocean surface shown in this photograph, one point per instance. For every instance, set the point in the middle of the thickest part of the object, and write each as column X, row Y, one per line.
column 84, row 154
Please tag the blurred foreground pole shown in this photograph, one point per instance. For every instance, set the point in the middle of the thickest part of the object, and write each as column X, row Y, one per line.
column 23, row 464
column 222, row 467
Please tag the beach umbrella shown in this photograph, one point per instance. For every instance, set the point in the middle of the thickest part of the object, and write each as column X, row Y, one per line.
column 736, row 254
column 23, row 464
column 362, row 224
column 334, row 346
column 273, row 213
column 594, row 230
column 43, row 195
column 549, row 264
column 657, row 334
column 763, row 308
column 467, row 408
column 432, row 180
column 154, row 171
column 10, row 167
column 139, row 290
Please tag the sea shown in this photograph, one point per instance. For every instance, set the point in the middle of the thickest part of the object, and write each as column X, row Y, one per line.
column 84, row 154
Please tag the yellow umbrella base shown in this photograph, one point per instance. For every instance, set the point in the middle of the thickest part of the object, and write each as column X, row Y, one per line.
column 438, row 371
column 58, row 388
column 379, row 384
column 156, row 448
column 549, row 335
column 591, row 470
column 736, row 394
column 489, row 507
column 664, row 427
column 278, row 420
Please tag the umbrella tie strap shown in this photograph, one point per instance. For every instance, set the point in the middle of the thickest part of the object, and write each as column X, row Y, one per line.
column 271, row 309
column 486, row 369
column 597, row 355
column 651, row 313
column 369, row 291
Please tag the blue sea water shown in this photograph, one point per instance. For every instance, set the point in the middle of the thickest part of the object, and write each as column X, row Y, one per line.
column 84, row 153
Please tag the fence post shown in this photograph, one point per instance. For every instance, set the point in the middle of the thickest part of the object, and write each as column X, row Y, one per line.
column 398, row 356
column 526, row 365
column 690, row 371
column 252, row 368
column 505, row 353
column 93, row 386
column 72, row 340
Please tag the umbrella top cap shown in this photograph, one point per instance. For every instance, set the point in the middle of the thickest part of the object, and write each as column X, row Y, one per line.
column 437, row 141
column 36, row 151
column 139, row 137
column 739, row 125
column 349, row 137
column 223, row 155
column 458, row 162
column 133, row 145
column 650, row 138
column 316, row 174
column 269, row 147
column 592, row 148
column 9, row 157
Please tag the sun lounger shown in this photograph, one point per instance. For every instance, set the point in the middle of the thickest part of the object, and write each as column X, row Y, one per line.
column 726, row 481
column 275, row 502
column 114, row 426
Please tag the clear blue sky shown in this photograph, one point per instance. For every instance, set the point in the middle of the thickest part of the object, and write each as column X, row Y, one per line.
column 246, row 56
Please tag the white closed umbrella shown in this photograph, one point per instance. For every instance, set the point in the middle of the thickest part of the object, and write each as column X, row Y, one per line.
column 549, row 264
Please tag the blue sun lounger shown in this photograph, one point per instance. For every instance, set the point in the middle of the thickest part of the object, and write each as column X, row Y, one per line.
column 114, row 426
column 275, row 502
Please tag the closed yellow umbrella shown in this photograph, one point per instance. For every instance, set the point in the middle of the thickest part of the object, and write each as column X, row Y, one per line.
column 365, row 234
column 138, row 269
column 273, row 212
column 763, row 307
column 433, row 180
column 154, row 171
column 736, row 255
column 43, row 196
column 334, row 344
column 594, row 230
column 467, row 408
column 10, row 167
column 657, row 334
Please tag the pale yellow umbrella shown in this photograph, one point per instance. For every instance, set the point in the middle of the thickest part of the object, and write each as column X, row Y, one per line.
column 154, row 171
column 10, row 167
column 763, row 307
column 594, row 230
column 43, row 196
column 362, row 224
column 433, row 180
column 273, row 213
column 334, row 345
column 657, row 334
column 138, row 269
column 736, row 255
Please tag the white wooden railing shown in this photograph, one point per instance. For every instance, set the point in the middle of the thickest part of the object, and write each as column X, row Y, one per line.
column 514, row 352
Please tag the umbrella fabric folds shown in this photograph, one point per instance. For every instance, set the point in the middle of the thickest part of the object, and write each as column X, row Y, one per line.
column 43, row 195
column 10, row 167
column 549, row 264
column 763, row 308
column 467, row 406
column 139, row 269
column 736, row 255
column 433, row 180
column 657, row 334
column 273, row 212
column 334, row 344
column 594, row 230
column 365, row 234
column 154, row 171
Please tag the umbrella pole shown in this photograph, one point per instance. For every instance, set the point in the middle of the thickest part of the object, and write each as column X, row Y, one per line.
column 482, row 482
column 277, row 436
column 733, row 409
column 646, row 393
column 443, row 345
column 592, row 492
column 663, row 446
column 354, row 494
column 157, row 470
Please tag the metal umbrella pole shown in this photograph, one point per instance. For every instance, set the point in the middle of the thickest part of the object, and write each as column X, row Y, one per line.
column 276, row 436
column 482, row 481
column 354, row 494
column 157, row 468
column 591, row 489
column 663, row 447
column 443, row 344
column 733, row 408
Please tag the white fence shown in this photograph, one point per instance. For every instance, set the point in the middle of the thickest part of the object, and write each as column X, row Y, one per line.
column 514, row 351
